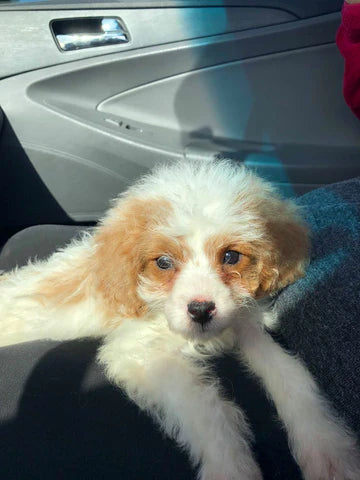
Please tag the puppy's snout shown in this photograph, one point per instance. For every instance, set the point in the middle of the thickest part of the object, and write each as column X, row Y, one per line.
column 201, row 311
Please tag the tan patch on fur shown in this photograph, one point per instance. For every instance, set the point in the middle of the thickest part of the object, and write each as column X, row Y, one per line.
column 122, row 249
column 65, row 288
column 122, row 245
column 277, row 259
column 157, row 246
column 287, row 256
column 282, row 250
column 245, row 273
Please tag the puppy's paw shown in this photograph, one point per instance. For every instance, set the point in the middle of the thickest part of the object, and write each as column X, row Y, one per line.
column 331, row 464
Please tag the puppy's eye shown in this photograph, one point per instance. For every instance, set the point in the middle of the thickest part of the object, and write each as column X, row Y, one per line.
column 164, row 262
column 231, row 257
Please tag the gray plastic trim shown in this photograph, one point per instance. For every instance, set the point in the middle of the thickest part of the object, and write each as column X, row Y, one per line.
column 300, row 8
column 127, row 104
column 27, row 43
column 76, row 86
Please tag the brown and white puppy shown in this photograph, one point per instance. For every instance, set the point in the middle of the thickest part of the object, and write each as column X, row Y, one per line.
column 171, row 276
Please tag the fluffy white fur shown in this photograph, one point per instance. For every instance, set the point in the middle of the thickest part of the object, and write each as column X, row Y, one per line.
column 158, row 356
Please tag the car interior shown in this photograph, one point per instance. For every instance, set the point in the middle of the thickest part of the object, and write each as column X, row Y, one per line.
column 93, row 95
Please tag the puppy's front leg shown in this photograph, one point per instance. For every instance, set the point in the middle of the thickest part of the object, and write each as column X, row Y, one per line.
column 174, row 390
column 322, row 445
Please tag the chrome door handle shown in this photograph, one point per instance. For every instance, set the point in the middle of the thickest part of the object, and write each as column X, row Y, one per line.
column 89, row 32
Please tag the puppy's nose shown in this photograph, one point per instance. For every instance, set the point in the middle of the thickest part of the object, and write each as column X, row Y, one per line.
column 201, row 312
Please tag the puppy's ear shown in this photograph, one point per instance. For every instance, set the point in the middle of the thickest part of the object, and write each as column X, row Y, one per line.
column 119, row 253
column 286, row 253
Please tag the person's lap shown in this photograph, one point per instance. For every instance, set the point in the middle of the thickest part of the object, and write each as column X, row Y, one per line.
column 320, row 313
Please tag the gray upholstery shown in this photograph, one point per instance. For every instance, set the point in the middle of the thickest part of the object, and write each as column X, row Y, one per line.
column 35, row 242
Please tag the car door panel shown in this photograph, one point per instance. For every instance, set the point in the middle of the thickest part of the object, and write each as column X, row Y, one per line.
column 190, row 83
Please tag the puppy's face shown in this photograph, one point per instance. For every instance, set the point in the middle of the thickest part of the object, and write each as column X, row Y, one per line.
column 199, row 253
